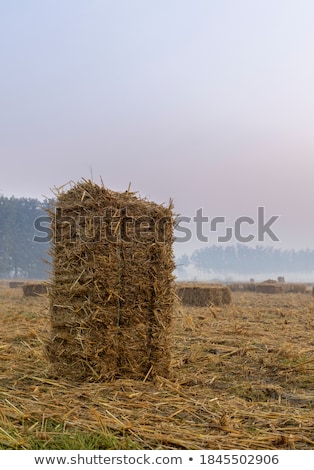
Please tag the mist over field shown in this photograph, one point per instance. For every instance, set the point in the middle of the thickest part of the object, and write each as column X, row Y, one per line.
column 242, row 263
column 24, row 248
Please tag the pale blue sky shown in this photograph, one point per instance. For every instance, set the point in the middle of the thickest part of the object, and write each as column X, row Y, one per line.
column 209, row 102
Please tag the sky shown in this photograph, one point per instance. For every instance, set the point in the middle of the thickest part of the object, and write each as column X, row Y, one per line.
column 207, row 102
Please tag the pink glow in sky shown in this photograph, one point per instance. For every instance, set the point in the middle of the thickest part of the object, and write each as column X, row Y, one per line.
column 209, row 102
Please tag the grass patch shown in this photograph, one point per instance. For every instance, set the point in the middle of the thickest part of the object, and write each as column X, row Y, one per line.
column 67, row 441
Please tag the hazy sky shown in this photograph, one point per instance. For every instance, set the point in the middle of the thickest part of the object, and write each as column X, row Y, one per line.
column 209, row 102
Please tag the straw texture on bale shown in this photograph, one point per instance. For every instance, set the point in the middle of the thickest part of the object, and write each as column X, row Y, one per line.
column 32, row 290
column 112, row 285
column 202, row 296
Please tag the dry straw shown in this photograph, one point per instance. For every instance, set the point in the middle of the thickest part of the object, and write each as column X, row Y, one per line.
column 242, row 379
column 112, row 286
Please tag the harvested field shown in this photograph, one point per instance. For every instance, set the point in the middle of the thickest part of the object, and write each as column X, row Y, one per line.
column 242, row 378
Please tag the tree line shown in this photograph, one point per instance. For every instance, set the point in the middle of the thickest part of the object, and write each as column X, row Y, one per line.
column 244, row 259
column 20, row 255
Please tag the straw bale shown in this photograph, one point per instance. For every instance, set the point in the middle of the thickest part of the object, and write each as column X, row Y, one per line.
column 202, row 296
column 294, row 287
column 16, row 284
column 270, row 288
column 32, row 290
column 112, row 284
column 235, row 286
column 281, row 279
column 249, row 286
column 269, row 281
column 242, row 286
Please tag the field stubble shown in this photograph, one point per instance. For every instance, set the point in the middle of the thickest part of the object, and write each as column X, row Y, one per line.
column 242, row 378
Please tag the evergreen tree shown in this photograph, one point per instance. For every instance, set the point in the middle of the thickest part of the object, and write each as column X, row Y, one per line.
column 20, row 256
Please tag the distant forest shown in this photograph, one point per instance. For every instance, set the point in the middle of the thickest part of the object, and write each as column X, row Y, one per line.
column 246, row 260
column 21, row 256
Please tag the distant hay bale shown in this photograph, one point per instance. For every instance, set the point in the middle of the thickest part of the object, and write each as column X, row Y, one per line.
column 235, row 286
column 16, row 284
column 281, row 279
column 294, row 288
column 112, row 285
column 202, row 296
column 271, row 288
column 242, row 286
column 32, row 290
column 249, row 286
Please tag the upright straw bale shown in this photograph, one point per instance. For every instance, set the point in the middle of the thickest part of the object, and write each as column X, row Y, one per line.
column 112, row 286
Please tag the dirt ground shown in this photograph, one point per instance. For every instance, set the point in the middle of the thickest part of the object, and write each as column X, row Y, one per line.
column 242, row 378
